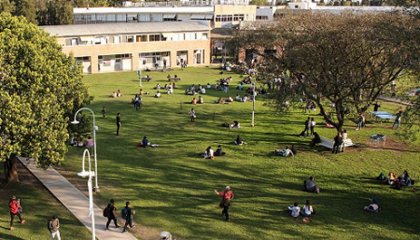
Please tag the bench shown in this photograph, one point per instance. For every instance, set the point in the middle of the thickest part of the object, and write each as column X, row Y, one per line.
column 173, row 79
column 330, row 143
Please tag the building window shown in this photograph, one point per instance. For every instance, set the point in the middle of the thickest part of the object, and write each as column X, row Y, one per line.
column 262, row 17
column 126, row 55
column 141, row 38
column 130, row 38
column 218, row 18
column 154, row 38
column 227, row 18
column 238, row 17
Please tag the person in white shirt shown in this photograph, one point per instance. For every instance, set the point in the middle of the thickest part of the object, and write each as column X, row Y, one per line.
column 373, row 206
column 294, row 210
column 285, row 152
column 209, row 153
column 344, row 134
column 157, row 95
column 307, row 210
column 312, row 126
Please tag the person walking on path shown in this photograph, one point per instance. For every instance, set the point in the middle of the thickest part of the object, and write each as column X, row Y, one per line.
column 111, row 214
column 127, row 215
column 192, row 115
column 118, row 122
column 15, row 210
column 53, row 227
column 227, row 196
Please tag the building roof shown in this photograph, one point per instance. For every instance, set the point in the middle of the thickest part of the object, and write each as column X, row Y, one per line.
column 106, row 10
column 125, row 28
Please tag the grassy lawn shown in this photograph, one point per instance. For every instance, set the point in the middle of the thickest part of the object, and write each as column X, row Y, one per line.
column 171, row 187
column 38, row 207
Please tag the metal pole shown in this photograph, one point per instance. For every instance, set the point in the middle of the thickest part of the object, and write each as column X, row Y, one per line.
column 94, row 143
column 253, row 107
column 94, row 152
column 91, row 209
column 139, row 74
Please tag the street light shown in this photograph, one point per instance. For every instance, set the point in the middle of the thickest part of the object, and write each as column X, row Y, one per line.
column 90, row 174
column 253, row 105
column 139, row 74
column 95, row 128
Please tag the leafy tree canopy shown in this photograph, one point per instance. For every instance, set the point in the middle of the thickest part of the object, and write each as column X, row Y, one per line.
column 40, row 87
column 339, row 61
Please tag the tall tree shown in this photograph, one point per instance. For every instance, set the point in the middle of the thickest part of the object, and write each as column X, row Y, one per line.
column 6, row 6
column 25, row 8
column 341, row 60
column 40, row 87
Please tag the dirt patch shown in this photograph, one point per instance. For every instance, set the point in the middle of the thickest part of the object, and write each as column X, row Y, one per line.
column 388, row 144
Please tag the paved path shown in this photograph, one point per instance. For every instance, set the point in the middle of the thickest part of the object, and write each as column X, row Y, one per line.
column 75, row 201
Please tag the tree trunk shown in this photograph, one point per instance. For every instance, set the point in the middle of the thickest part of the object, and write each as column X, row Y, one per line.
column 10, row 170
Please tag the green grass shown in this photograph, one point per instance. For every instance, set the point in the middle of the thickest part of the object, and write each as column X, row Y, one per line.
column 171, row 187
column 38, row 207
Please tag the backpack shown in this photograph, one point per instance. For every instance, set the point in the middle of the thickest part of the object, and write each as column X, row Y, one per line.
column 107, row 211
column 124, row 213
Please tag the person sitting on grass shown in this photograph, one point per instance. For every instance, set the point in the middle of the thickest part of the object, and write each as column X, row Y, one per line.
column 219, row 151
column 202, row 90
column 209, row 153
column 381, row 177
column 391, row 178
column 373, row 207
column 221, row 101
column 239, row 141
column 238, row 98
column 194, row 101
column 157, row 95
column 310, row 185
column 294, row 210
column 315, row 140
column 229, row 99
column 145, row 142
column 284, row 152
column 307, row 209
column 235, row 124
column 406, row 180
column 200, row 100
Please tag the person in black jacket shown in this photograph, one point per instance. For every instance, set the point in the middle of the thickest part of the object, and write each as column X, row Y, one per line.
column 118, row 122
column 111, row 214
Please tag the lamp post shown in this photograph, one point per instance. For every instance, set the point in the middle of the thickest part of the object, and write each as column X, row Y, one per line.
column 253, row 105
column 95, row 128
column 139, row 74
column 90, row 174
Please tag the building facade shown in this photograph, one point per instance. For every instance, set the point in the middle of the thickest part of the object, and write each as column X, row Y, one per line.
column 131, row 46
column 219, row 15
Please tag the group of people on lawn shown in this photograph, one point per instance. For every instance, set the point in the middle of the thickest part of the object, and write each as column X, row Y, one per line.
column 404, row 180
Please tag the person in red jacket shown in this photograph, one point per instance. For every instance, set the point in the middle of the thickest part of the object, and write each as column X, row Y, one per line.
column 227, row 197
column 15, row 210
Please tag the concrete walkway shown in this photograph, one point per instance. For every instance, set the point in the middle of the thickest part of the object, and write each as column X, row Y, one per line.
column 75, row 201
